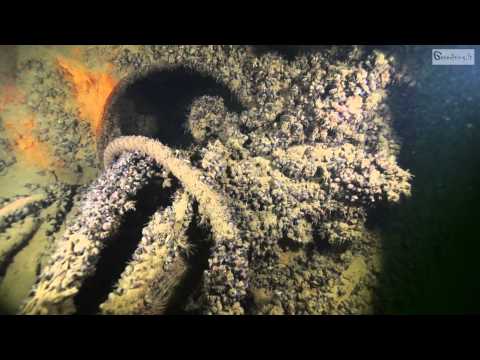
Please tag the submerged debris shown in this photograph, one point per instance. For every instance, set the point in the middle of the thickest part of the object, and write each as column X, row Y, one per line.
column 294, row 171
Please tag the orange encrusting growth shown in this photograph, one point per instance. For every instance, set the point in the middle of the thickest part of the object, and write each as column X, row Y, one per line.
column 92, row 89
column 29, row 148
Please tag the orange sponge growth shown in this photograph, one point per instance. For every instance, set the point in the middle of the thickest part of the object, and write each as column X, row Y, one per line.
column 29, row 148
column 92, row 89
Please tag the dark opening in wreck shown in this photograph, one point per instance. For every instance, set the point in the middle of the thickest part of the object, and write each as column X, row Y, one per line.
column 157, row 104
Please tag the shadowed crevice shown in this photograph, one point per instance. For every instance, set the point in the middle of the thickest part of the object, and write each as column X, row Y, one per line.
column 157, row 105
column 115, row 256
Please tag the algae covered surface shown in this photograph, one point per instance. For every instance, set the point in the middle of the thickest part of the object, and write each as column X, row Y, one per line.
column 283, row 180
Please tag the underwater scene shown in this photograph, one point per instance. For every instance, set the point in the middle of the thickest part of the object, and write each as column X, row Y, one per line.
column 239, row 180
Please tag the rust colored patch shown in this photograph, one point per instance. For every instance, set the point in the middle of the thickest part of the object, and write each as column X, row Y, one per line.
column 29, row 148
column 77, row 52
column 10, row 95
column 92, row 89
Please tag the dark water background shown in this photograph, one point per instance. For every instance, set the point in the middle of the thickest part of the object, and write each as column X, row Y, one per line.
column 431, row 240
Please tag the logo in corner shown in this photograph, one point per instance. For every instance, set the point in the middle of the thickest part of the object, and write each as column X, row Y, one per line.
column 453, row 57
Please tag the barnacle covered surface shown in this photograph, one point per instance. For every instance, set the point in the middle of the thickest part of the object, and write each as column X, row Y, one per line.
column 318, row 128
column 146, row 284
column 77, row 253
column 297, row 168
